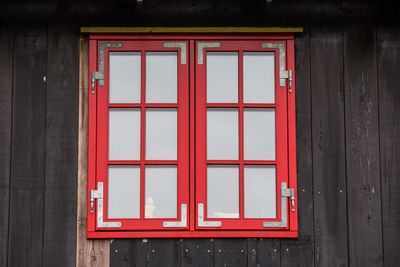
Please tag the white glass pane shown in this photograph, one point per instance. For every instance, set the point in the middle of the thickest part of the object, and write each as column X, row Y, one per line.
column 124, row 192
column 259, row 134
column 223, row 191
column 259, row 77
column 222, row 133
column 161, row 192
column 161, row 77
column 124, row 77
column 259, row 192
column 124, row 134
column 222, row 77
column 161, row 134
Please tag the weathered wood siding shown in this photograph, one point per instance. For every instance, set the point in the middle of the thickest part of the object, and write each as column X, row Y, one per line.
column 348, row 132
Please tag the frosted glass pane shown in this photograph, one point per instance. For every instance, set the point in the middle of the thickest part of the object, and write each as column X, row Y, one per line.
column 124, row 192
column 124, row 134
column 161, row 134
column 222, row 133
column 259, row 134
column 259, row 192
column 161, row 77
column 161, row 192
column 259, row 77
column 223, row 191
column 222, row 77
column 124, row 77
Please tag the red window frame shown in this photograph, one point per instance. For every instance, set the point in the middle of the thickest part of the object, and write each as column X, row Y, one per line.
column 191, row 112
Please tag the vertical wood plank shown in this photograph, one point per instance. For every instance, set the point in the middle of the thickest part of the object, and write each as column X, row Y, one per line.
column 300, row 252
column 61, row 145
column 263, row 252
column 6, row 73
column 128, row 252
column 389, row 118
column 163, row 252
column 230, row 252
column 89, row 253
column 196, row 252
column 328, row 136
column 362, row 150
column 28, row 146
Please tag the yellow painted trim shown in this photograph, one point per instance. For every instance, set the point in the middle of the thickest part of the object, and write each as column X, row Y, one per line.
column 190, row 29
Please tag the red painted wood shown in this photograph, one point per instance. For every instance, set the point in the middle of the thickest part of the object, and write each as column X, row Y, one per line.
column 281, row 164
column 192, row 160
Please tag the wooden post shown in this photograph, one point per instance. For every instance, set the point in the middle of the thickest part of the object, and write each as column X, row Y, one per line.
column 95, row 253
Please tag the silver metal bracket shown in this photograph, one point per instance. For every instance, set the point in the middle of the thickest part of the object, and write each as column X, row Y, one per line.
column 99, row 75
column 182, row 222
column 99, row 195
column 200, row 218
column 200, row 48
column 181, row 45
column 285, row 194
column 282, row 60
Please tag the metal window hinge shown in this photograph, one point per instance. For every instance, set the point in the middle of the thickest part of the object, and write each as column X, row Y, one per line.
column 98, row 195
column 95, row 76
column 182, row 222
column 285, row 194
column 200, row 218
column 287, row 74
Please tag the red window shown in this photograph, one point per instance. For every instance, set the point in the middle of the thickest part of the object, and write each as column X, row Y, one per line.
column 192, row 136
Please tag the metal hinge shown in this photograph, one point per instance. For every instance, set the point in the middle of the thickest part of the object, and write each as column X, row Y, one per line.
column 285, row 194
column 200, row 218
column 98, row 195
column 287, row 74
column 95, row 76
column 182, row 222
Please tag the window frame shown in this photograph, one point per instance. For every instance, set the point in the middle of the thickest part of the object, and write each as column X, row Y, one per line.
column 192, row 230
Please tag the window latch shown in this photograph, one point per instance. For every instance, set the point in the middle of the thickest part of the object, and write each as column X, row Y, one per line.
column 285, row 194
column 95, row 76
column 287, row 74
column 98, row 195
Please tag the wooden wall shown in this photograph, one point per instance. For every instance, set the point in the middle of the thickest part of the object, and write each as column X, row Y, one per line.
column 348, row 128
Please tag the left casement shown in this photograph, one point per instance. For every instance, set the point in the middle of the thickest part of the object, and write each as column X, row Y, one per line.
column 191, row 136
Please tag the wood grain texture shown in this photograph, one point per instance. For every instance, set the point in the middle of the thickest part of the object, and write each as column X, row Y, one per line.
column 328, row 136
column 300, row 252
column 89, row 253
column 389, row 123
column 263, row 252
column 362, row 147
column 28, row 146
column 163, row 252
column 125, row 252
column 196, row 252
column 230, row 252
column 61, row 146
column 6, row 73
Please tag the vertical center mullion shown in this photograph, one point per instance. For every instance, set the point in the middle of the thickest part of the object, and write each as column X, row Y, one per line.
column 241, row 137
column 142, row 132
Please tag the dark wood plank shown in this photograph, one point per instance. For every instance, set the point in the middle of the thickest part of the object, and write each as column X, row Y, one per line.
column 263, row 252
column 230, row 252
column 300, row 252
column 196, row 252
column 163, row 252
column 61, row 145
column 389, row 122
column 362, row 149
column 328, row 136
column 28, row 146
column 6, row 67
column 128, row 252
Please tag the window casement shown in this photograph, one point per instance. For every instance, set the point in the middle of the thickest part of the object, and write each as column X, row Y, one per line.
column 191, row 136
